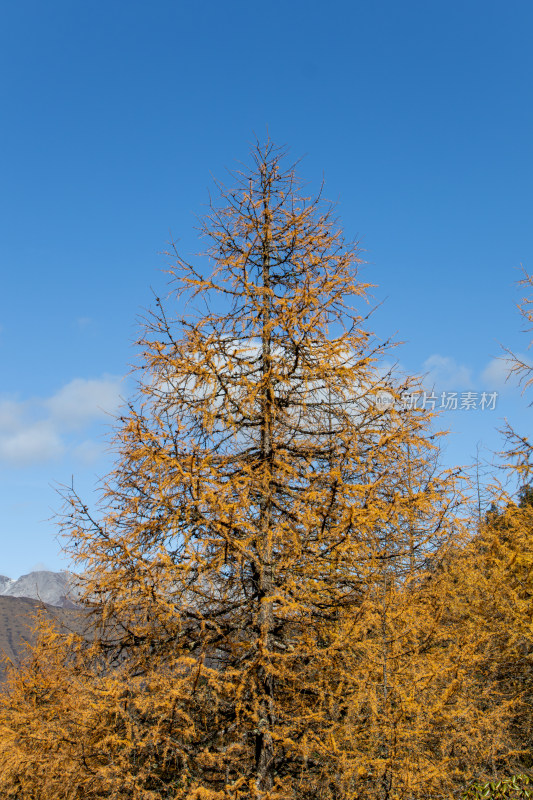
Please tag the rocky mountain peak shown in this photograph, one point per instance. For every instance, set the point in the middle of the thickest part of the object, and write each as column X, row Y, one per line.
column 52, row 588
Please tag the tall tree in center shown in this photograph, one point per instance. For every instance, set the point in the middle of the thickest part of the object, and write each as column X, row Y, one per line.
column 261, row 496
column 254, row 576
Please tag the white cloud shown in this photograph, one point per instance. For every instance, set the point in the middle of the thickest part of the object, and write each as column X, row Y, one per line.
column 41, row 429
column 82, row 401
column 31, row 443
column 11, row 414
column 445, row 373
column 497, row 374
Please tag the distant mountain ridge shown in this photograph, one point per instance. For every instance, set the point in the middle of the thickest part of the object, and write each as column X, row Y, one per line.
column 52, row 588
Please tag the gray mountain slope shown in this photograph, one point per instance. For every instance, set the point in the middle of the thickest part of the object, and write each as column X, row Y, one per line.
column 18, row 619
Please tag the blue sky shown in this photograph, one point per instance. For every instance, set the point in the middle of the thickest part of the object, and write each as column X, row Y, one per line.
column 116, row 115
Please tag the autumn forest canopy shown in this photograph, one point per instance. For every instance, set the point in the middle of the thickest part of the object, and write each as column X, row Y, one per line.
column 285, row 596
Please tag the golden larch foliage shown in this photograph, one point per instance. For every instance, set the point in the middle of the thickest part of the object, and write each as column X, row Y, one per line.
column 274, row 614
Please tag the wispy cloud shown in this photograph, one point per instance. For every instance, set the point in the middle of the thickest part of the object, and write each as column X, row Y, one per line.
column 31, row 443
column 82, row 401
column 89, row 451
column 444, row 372
column 497, row 372
column 498, row 376
column 40, row 429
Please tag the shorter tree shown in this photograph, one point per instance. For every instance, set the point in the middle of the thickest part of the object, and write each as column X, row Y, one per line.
column 519, row 448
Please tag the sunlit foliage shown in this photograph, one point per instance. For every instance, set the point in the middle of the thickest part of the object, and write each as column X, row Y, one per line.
column 277, row 607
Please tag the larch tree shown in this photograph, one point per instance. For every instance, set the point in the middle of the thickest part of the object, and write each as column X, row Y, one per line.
column 261, row 621
column 495, row 577
column 492, row 595
column 519, row 445
column 504, row 563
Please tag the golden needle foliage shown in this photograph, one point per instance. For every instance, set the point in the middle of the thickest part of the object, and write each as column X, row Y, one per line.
column 274, row 611
column 519, row 446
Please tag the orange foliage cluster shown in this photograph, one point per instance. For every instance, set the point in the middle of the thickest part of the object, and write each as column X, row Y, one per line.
column 284, row 602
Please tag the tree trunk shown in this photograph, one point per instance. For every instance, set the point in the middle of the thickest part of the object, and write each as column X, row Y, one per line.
column 264, row 747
